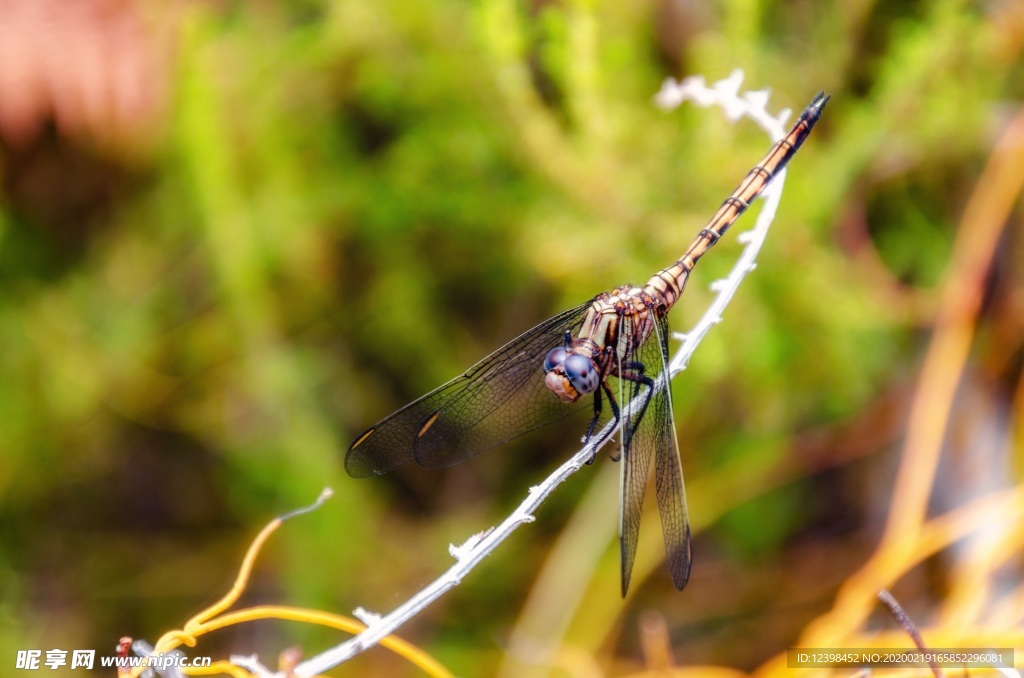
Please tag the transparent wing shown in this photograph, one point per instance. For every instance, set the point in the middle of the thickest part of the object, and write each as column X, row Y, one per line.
column 500, row 398
column 668, row 470
column 634, row 400
column 650, row 433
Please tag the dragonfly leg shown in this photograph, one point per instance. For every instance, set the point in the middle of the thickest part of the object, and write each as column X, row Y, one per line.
column 615, row 412
column 606, row 356
column 593, row 423
column 637, row 376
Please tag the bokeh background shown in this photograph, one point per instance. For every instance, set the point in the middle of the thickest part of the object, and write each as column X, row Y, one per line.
column 233, row 235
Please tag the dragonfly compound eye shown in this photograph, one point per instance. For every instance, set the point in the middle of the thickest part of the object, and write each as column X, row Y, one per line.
column 582, row 373
column 554, row 358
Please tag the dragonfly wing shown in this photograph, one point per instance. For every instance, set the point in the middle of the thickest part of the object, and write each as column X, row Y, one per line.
column 496, row 400
column 634, row 399
column 668, row 469
column 649, row 434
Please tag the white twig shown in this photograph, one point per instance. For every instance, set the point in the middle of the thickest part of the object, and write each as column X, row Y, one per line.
column 252, row 664
column 725, row 94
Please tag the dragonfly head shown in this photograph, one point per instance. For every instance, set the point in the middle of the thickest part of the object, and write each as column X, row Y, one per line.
column 570, row 375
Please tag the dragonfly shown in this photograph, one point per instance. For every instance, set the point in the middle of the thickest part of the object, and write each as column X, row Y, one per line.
column 611, row 349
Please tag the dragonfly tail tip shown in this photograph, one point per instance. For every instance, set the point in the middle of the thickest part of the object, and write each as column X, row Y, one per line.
column 820, row 100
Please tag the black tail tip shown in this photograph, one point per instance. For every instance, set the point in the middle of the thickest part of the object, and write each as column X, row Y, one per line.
column 819, row 101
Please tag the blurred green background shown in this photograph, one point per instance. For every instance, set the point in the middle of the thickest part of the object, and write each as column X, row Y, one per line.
column 233, row 235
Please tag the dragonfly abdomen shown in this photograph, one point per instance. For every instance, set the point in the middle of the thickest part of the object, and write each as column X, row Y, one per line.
column 667, row 284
